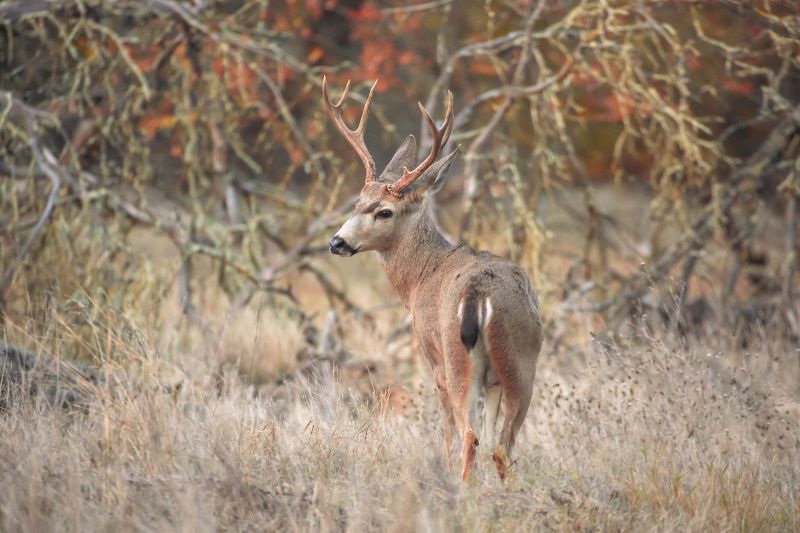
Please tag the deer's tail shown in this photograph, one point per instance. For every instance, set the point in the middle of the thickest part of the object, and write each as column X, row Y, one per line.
column 475, row 312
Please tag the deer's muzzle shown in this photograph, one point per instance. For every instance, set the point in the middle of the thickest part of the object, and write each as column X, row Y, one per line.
column 338, row 246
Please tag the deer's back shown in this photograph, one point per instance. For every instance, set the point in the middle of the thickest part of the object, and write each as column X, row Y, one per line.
column 467, row 274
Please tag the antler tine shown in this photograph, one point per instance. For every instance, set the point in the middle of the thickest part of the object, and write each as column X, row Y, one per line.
column 448, row 119
column 354, row 137
column 439, row 139
column 344, row 94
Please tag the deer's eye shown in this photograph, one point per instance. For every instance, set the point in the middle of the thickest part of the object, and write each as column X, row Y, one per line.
column 384, row 214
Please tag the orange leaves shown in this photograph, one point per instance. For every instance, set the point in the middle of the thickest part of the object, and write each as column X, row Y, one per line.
column 181, row 57
column 297, row 17
column 85, row 48
column 380, row 56
column 366, row 13
column 296, row 154
column 407, row 58
column 692, row 61
column 315, row 54
column 151, row 124
column 144, row 59
column 324, row 28
column 161, row 119
column 601, row 99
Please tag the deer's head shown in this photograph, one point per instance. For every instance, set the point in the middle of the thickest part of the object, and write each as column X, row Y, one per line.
column 390, row 202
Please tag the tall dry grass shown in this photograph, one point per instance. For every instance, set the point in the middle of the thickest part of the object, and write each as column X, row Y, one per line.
column 659, row 434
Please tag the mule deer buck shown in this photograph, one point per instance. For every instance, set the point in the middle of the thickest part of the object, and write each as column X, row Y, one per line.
column 474, row 314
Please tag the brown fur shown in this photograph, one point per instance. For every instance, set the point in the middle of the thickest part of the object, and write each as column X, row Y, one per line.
column 432, row 277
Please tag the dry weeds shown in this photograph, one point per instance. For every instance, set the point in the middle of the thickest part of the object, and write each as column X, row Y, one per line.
column 658, row 435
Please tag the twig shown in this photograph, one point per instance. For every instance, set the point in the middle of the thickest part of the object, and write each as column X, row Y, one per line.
column 37, row 228
column 49, row 166
column 509, row 94
column 766, row 154
column 289, row 118
column 683, row 289
column 14, row 10
column 424, row 6
column 299, row 250
column 221, row 37
column 331, row 291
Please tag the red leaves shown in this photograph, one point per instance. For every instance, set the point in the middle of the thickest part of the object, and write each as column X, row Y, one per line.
column 614, row 107
column 737, row 85
column 240, row 78
column 366, row 13
column 380, row 57
column 379, row 61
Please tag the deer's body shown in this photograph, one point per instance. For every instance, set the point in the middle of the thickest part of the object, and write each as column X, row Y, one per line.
column 475, row 315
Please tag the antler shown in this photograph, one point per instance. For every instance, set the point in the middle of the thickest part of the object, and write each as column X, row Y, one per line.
column 354, row 137
column 440, row 137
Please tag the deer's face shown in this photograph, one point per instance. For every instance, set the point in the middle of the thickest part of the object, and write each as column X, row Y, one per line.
column 378, row 219
column 389, row 201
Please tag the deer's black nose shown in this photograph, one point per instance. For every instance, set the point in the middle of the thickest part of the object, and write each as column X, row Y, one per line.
column 337, row 245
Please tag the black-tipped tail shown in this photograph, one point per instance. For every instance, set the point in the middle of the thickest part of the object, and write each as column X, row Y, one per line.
column 470, row 323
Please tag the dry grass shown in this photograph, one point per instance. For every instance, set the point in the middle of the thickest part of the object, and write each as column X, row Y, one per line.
column 259, row 426
column 655, row 436
column 263, row 428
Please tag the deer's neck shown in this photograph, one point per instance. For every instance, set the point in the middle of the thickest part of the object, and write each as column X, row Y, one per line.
column 415, row 255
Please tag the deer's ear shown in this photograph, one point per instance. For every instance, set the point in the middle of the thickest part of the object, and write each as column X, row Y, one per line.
column 436, row 176
column 405, row 156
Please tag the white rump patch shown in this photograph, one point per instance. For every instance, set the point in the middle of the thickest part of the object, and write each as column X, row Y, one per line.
column 487, row 313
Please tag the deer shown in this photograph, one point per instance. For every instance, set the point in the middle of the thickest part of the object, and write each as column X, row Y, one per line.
column 475, row 315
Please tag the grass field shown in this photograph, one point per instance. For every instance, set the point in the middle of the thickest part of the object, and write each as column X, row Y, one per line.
column 261, row 422
column 178, row 434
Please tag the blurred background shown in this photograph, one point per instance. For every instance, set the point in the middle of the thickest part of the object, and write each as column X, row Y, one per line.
column 168, row 169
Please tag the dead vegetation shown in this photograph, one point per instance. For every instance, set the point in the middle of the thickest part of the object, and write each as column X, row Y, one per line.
column 663, row 436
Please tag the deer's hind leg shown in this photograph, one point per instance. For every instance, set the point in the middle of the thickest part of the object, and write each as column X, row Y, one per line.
column 464, row 382
column 471, row 425
column 447, row 411
column 516, row 384
column 514, row 416
column 467, row 364
column 493, row 394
